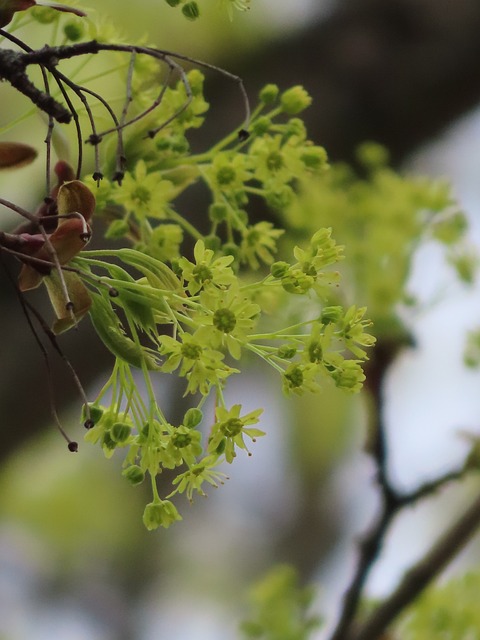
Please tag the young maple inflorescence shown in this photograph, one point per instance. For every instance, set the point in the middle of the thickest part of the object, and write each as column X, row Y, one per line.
column 158, row 307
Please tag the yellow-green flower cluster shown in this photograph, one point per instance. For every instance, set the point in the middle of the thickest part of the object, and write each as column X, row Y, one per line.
column 382, row 218
column 193, row 314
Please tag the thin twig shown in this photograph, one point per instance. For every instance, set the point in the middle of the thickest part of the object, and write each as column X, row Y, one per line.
column 391, row 501
column 27, row 309
column 421, row 574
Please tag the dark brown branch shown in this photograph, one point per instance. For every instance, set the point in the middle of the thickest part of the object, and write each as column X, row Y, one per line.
column 429, row 488
column 13, row 70
column 384, row 354
column 420, row 576
column 391, row 501
column 27, row 310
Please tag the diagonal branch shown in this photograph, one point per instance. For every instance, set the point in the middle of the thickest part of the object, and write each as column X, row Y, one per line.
column 391, row 501
column 421, row 574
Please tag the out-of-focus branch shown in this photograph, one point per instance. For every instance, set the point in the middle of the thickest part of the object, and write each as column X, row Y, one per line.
column 420, row 575
column 391, row 502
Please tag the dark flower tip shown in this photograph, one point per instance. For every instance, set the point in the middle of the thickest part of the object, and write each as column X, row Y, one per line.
column 88, row 424
column 118, row 177
column 73, row 446
column 243, row 135
column 113, row 293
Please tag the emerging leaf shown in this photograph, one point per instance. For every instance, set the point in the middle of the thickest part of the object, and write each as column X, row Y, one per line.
column 15, row 154
column 78, row 294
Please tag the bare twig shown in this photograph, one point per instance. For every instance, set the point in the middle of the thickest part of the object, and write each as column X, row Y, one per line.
column 391, row 501
column 421, row 574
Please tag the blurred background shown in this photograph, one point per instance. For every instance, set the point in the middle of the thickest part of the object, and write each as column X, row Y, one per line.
column 75, row 559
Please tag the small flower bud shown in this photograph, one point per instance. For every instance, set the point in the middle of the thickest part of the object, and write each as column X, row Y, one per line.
column 372, row 155
column 108, row 442
column 44, row 15
column 287, row 351
column 296, row 127
column 212, row 242
column 96, row 413
column 261, row 125
column 281, row 198
column 331, row 314
column 314, row 158
column 134, row 474
column 120, row 432
column 192, row 418
column 269, row 94
column 279, row 269
column 73, row 31
column 218, row 212
column 160, row 514
column 295, row 100
column 191, row 10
